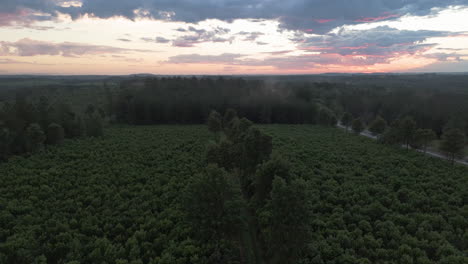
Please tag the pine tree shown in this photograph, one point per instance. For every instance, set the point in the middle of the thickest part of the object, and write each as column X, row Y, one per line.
column 378, row 126
column 35, row 137
column 357, row 126
column 453, row 143
column 55, row 134
column 346, row 120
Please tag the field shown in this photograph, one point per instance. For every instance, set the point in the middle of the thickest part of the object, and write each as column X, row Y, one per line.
column 119, row 198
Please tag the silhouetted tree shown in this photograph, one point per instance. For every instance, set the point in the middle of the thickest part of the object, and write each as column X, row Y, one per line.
column 326, row 117
column 5, row 138
column 35, row 137
column 94, row 126
column 55, row 134
column 407, row 128
column 378, row 126
column 346, row 120
column 422, row 138
column 213, row 207
column 357, row 126
column 215, row 123
column 285, row 222
column 453, row 143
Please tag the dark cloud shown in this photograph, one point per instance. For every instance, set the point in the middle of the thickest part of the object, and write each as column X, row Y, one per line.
column 445, row 56
column 156, row 40
column 281, row 52
column 379, row 41
column 317, row 16
column 29, row 47
column 196, row 36
column 250, row 36
column 162, row 40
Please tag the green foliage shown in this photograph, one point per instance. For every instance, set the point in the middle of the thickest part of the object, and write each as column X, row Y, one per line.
column 211, row 204
column 285, row 221
column 378, row 126
column 94, row 126
column 4, row 142
column 55, row 134
column 26, row 125
column 213, row 207
column 422, row 138
column 35, row 138
column 357, row 126
column 121, row 199
column 407, row 129
column 215, row 123
column 326, row 117
column 347, row 119
column 453, row 143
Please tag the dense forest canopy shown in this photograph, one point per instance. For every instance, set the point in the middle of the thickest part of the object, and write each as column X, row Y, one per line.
column 123, row 199
column 87, row 178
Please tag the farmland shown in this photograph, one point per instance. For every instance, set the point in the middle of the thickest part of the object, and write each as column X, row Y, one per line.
column 119, row 199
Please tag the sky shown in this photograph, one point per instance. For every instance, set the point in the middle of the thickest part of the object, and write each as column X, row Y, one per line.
column 229, row 37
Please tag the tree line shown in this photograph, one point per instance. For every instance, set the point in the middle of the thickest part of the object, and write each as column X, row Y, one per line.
column 189, row 100
column 28, row 126
column 405, row 131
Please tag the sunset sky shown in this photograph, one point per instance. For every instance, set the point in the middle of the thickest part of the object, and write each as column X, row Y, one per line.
column 232, row 36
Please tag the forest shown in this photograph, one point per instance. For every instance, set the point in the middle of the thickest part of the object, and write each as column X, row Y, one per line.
column 154, row 169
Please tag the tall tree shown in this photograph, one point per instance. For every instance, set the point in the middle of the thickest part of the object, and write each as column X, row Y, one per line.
column 378, row 126
column 35, row 137
column 4, row 142
column 453, row 143
column 215, row 123
column 408, row 128
column 346, row 120
column 94, row 126
column 285, row 222
column 55, row 134
column 422, row 138
column 357, row 126
column 213, row 207
column 44, row 112
column 326, row 117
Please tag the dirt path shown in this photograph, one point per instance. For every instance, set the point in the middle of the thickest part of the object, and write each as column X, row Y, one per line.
column 430, row 153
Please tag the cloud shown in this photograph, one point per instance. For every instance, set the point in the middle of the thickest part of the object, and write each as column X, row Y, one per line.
column 162, row 40
column 319, row 16
column 445, row 56
column 124, row 40
column 195, row 36
column 298, row 62
column 23, row 18
column 250, row 36
column 11, row 61
column 225, row 58
column 156, row 40
column 29, row 47
column 379, row 41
